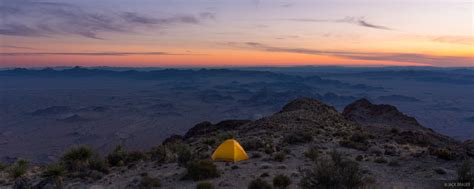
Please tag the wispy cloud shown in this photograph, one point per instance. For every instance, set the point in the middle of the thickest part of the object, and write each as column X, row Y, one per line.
column 422, row 59
column 88, row 53
column 17, row 47
column 350, row 20
column 369, row 25
column 30, row 18
column 464, row 40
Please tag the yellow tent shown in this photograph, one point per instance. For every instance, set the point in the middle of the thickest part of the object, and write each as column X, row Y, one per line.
column 230, row 150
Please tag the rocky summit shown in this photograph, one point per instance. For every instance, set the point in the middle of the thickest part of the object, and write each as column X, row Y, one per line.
column 307, row 144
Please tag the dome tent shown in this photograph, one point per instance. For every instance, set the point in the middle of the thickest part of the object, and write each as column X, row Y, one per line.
column 230, row 151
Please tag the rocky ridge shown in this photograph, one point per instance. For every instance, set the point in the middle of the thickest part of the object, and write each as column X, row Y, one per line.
column 387, row 148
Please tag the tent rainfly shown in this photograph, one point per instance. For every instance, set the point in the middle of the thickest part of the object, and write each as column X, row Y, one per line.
column 229, row 151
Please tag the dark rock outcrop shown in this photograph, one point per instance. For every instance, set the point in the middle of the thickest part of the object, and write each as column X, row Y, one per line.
column 364, row 112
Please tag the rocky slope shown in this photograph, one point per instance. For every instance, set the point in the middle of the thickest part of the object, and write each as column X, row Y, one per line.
column 375, row 145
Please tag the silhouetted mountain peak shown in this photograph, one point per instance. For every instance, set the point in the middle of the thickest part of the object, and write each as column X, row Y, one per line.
column 363, row 111
column 308, row 104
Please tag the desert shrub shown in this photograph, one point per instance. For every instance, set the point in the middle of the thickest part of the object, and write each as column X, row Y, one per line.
column 259, row 184
column 149, row 182
column 358, row 140
column 98, row 164
column 298, row 138
column 117, row 156
column 135, row 156
column 330, row 175
column 253, row 144
column 336, row 156
column 334, row 173
column 394, row 163
column 175, row 147
column 256, row 155
column 2, row 166
column 22, row 183
column 224, row 136
column 78, row 158
column 204, row 185
column 160, row 154
column 18, row 169
column 209, row 141
column 359, row 158
column 443, row 153
column 202, row 169
column 464, row 172
column 281, row 181
column 269, row 148
column 265, row 174
column 359, row 137
column 55, row 173
column 184, row 156
column 380, row 160
column 394, row 131
column 312, row 153
column 280, row 157
column 340, row 133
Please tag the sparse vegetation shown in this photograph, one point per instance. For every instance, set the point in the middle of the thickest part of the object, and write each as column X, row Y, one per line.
column 2, row 166
column 221, row 137
column 202, row 169
column 120, row 157
column 204, row 185
column 78, row 158
column 358, row 140
column 394, row 131
column 298, row 138
column 380, row 160
column 335, row 173
column 394, row 163
column 209, row 141
column 259, row 184
column 98, row 164
column 149, row 182
column 160, row 154
column 83, row 161
column 443, row 153
column 312, row 153
column 253, row 144
column 465, row 172
column 281, row 181
column 18, row 169
column 135, row 156
column 184, row 156
column 256, row 155
column 117, row 156
column 55, row 174
column 336, row 156
column 280, row 157
column 171, row 152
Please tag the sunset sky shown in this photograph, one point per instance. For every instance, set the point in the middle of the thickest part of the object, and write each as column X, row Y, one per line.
column 182, row 33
